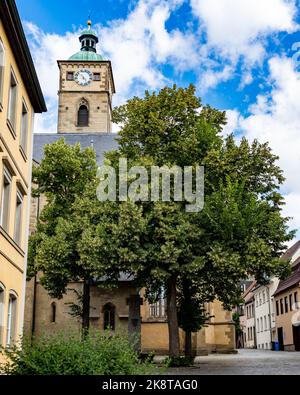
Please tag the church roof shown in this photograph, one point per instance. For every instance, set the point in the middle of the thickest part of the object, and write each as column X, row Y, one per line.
column 101, row 142
column 89, row 32
column 86, row 55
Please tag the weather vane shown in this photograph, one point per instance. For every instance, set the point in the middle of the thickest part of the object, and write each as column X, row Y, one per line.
column 89, row 22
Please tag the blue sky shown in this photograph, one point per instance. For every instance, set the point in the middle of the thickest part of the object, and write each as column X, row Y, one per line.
column 239, row 54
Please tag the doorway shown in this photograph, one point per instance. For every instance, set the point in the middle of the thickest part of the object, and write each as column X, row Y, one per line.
column 296, row 336
column 280, row 339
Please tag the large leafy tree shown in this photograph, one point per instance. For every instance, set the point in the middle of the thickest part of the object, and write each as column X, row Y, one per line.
column 240, row 232
column 62, row 176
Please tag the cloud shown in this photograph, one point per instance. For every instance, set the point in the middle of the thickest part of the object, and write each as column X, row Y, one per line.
column 233, row 122
column 238, row 30
column 234, row 26
column 275, row 117
column 46, row 49
column 211, row 78
column 139, row 44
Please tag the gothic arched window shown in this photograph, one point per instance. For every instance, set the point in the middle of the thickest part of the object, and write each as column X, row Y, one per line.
column 109, row 313
column 83, row 115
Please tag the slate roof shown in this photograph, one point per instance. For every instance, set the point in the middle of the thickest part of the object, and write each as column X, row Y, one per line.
column 101, row 142
column 123, row 278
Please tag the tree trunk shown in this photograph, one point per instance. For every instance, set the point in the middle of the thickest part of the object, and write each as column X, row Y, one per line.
column 134, row 322
column 188, row 344
column 172, row 317
column 86, row 308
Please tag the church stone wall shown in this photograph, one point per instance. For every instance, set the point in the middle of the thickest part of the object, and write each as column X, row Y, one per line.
column 99, row 112
column 98, row 95
column 64, row 320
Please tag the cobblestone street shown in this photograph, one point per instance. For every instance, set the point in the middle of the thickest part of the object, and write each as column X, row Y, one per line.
column 246, row 362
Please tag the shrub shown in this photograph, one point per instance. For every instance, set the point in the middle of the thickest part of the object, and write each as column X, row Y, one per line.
column 177, row 362
column 66, row 354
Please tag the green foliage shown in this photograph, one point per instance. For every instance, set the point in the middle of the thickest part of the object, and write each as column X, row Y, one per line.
column 76, row 309
column 237, row 323
column 63, row 175
column 179, row 362
column 168, row 127
column 192, row 315
column 66, row 354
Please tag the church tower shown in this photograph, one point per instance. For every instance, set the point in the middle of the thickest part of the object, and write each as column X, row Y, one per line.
column 86, row 88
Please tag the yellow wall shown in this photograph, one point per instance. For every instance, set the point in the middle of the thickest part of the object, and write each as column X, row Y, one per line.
column 217, row 336
column 12, row 256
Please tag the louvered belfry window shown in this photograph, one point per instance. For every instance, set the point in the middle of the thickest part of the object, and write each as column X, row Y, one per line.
column 83, row 116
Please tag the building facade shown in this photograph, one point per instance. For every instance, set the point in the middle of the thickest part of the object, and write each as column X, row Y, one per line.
column 287, row 306
column 85, row 101
column 20, row 99
column 248, row 318
column 265, row 324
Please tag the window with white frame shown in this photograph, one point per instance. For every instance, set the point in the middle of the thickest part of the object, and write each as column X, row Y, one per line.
column 12, row 102
column 5, row 198
column 11, row 320
column 18, row 217
column 24, row 128
column 2, row 66
column 2, row 301
column 158, row 309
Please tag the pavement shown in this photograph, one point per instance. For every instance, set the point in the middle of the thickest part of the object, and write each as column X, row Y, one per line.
column 246, row 362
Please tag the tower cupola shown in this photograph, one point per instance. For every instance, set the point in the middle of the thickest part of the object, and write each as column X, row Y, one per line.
column 89, row 40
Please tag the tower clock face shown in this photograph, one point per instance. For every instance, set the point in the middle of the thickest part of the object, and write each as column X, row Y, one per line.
column 83, row 77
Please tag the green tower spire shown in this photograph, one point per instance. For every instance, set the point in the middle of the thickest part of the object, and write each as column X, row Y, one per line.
column 89, row 41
